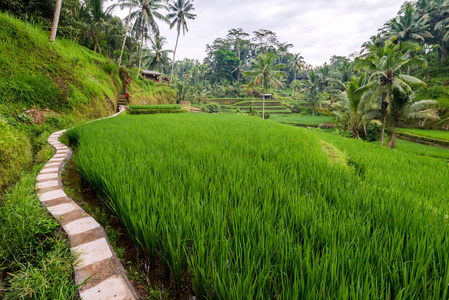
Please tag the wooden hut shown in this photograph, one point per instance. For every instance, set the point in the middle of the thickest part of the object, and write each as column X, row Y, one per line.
column 151, row 75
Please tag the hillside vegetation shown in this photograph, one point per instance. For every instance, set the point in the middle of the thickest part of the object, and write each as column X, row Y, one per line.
column 46, row 87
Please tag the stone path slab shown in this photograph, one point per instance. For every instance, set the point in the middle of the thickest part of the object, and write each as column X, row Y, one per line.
column 98, row 268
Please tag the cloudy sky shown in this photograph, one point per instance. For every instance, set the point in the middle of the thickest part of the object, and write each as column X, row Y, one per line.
column 318, row 29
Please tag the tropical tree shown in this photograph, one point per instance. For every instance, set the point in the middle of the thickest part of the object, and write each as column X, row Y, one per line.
column 353, row 109
column 403, row 105
column 144, row 19
column 95, row 19
column 297, row 63
column 180, row 12
column 265, row 73
column 158, row 56
column 239, row 69
column 410, row 26
column 295, row 86
column 237, row 36
column 312, row 86
column 438, row 11
column 386, row 64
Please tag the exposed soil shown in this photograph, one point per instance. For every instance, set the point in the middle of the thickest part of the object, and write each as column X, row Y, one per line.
column 40, row 116
column 149, row 281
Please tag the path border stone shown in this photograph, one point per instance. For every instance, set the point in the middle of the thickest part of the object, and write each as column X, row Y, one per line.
column 98, row 271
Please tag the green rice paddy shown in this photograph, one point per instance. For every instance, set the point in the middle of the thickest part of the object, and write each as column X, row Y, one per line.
column 158, row 106
column 242, row 208
column 302, row 119
column 420, row 149
column 436, row 134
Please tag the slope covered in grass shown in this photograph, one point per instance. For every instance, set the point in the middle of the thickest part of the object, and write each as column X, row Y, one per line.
column 248, row 209
column 45, row 87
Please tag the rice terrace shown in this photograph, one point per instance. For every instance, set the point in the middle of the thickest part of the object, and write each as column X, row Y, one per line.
column 132, row 168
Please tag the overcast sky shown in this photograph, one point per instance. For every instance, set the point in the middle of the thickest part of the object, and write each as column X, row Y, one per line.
column 318, row 29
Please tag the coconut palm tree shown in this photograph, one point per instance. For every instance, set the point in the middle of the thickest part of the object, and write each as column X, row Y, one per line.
column 386, row 64
column 180, row 11
column 354, row 109
column 158, row 56
column 265, row 72
column 94, row 17
column 145, row 14
column 312, row 86
column 403, row 106
column 411, row 26
column 297, row 63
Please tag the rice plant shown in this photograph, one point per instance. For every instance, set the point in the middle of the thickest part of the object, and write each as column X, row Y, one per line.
column 247, row 209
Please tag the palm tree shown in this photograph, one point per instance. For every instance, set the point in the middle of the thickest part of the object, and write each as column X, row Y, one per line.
column 94, row 17
column 438, row 12
column 180, row 12
column 386, row 64
column 353, row 108
column 145, row 14
column 411, row 26
column 297, row 63
column 295, row 85
column 312, row 85
column 240, row 69
column 158, row 56
column 403, row 106
column 54, row 26
column 265, row 72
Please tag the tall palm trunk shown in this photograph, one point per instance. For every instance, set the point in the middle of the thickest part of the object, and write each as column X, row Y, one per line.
column 54, row 26
column 265, row 86
column 392, row 142
column 140, row 54
column 174, row 54
column 443, row 51
column 384, row 118
column 126, row 33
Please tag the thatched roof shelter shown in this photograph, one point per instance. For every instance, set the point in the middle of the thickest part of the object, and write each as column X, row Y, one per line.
column 152, row 75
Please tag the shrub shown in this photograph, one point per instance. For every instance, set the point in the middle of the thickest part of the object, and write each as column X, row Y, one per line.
column 296, row 109
column 212, row 107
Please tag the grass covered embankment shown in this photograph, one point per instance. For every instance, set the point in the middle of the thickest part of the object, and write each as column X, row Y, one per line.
column 270, row 214
column 146, row 92
column 45, row 87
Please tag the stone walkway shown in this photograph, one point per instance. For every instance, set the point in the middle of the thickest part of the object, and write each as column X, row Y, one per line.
column 99, row 270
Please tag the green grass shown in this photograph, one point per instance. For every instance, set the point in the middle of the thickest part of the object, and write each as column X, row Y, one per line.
column 166, row 106
column 436, row 134
column 274, row 213
column 61, row 76
column 420, row 149
column 302, row 119
column 35, row 259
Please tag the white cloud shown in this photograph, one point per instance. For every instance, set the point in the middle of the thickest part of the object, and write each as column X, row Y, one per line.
column 318, row 29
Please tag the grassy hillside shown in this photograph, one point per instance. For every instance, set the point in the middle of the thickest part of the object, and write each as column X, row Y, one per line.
column 45, row 87
column 144, row 92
